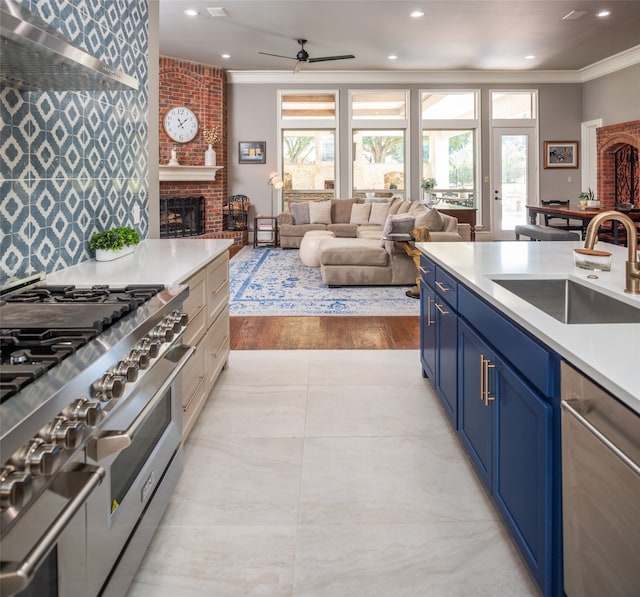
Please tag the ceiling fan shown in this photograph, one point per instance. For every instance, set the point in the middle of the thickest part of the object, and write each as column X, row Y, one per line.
column 303, row 56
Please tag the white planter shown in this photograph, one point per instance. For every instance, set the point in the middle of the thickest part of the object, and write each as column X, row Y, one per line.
column 106, row 255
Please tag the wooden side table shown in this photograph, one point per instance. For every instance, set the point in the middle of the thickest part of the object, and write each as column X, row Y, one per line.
column 265, row 232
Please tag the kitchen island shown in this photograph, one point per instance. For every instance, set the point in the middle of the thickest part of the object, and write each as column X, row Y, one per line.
column 203, row 265
column 607, row 353
column 500, row 365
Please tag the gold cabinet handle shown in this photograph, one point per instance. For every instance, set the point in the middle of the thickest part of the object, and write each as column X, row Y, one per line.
column 430, row 321
column 217, row 290
column 441, row 309
column 485, row 365
column 443, row 287
column 425, row 271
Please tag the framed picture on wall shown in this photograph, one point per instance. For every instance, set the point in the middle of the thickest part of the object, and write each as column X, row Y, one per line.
column 252, row 152
column 561, row 154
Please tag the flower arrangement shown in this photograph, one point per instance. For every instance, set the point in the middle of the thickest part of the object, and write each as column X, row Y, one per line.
column 211, row 136
column 428, row 184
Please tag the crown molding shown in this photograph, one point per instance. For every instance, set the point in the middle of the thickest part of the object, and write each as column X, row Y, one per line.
column 610, row 65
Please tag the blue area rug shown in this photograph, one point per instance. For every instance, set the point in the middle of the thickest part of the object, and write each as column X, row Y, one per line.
column 273, row 281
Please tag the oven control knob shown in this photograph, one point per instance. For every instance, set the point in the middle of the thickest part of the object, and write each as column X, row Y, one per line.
column 161, row 332
column 15, row 488
column 150, row 346
column 181, row 318
column 108, row 386
column 90, row 413
column 127, row 369
column 39, row 457
column 141, row 357
column 64, row 432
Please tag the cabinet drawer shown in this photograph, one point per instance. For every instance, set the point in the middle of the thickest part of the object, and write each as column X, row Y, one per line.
column 447, row 287
column 428, row 271
column 533, row 360
column 194, row 307
column 192, row 376
column 217, row 346
column 217, row 287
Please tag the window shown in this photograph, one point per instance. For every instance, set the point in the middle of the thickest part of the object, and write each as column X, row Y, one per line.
column 379, row 140
column 308, row 144
column 513, row 104
column 449, row 144
column 308, row 161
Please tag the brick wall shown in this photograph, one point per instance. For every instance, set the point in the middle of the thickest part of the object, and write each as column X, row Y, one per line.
column 609, row 139
column 203, row 89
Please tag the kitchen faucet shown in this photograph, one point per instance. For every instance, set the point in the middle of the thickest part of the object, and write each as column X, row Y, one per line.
column 633, row 267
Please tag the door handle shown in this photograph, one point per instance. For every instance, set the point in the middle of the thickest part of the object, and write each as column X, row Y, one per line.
column 84, row 479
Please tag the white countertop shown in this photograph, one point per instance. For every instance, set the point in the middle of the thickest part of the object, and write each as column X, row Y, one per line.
column 608, row 353
column 154, row 261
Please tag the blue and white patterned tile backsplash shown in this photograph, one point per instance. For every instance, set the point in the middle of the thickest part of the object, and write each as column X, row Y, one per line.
column 72, row 163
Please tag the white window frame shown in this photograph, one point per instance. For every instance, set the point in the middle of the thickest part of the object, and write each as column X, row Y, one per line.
column 381, row 125
column 306, row 124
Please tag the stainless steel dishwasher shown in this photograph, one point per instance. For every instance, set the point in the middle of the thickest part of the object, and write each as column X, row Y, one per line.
column 601, row 491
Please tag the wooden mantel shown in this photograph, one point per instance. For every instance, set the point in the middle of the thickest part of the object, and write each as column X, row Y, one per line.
column 186, row 173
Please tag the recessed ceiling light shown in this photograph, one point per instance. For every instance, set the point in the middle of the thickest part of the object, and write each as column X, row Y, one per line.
column 603, row 13
column 190, row 12
column 529, row 57
column 416, row 14
column 392, row 57
column 226, row 56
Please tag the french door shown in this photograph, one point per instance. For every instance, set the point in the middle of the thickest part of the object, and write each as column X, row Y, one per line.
column 513, row 183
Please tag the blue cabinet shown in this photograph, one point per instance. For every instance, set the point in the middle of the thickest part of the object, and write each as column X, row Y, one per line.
column 500, row 387
column 506, row 428
column 439, row 334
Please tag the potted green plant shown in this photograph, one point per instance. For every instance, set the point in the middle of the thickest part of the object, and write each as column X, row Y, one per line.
column 588, row 199
column 114, row 243
column 427, row 184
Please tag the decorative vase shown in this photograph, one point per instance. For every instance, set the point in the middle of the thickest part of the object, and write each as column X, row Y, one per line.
column 210, row 156
column 109, row 255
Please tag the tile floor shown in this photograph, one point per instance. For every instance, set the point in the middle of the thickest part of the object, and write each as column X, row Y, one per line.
column 328, row 473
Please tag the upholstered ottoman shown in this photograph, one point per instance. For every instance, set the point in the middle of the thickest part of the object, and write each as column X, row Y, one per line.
column 310, row 246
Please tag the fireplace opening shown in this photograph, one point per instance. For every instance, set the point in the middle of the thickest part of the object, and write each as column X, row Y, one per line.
column 181, row 217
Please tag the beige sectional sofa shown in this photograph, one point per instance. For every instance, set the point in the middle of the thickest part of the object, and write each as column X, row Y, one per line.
column 358, row 256
column 291, row 231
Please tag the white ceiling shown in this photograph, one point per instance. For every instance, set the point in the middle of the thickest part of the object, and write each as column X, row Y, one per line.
column 452, row 35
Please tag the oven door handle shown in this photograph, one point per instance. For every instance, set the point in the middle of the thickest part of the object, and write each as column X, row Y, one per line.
column 81, row 480
column 112, row 442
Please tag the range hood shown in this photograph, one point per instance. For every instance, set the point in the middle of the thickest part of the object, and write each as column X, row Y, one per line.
column 36, row 57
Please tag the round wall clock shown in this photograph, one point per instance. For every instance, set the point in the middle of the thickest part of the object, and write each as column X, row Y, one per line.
column 181, row 124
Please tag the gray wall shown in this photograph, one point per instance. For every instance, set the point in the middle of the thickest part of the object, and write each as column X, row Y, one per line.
column 614, row 98
column 253, row 114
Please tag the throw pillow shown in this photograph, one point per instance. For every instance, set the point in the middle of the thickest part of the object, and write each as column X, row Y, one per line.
column 360, row 213
column 379, row 213
column 320, row 212
column 404, row 207
column 432, row 219
column 300, row 212
column 400, row 225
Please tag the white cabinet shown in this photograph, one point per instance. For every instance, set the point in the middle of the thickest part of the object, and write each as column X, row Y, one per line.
column 208, row 309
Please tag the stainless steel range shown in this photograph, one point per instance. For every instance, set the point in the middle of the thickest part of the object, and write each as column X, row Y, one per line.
column 90, row 432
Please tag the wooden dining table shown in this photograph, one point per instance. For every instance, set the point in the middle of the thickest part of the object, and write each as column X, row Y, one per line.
column 576, row 213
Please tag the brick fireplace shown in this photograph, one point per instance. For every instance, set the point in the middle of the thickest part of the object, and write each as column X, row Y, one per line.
column 204, row 90
column 618, row 146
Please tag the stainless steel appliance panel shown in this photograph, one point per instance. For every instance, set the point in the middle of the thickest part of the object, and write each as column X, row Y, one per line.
column 601, row 491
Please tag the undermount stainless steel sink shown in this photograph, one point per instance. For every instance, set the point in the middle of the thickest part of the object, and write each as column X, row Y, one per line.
column 570, row 302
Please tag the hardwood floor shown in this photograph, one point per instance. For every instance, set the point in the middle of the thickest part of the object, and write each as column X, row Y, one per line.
column 325, row 333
